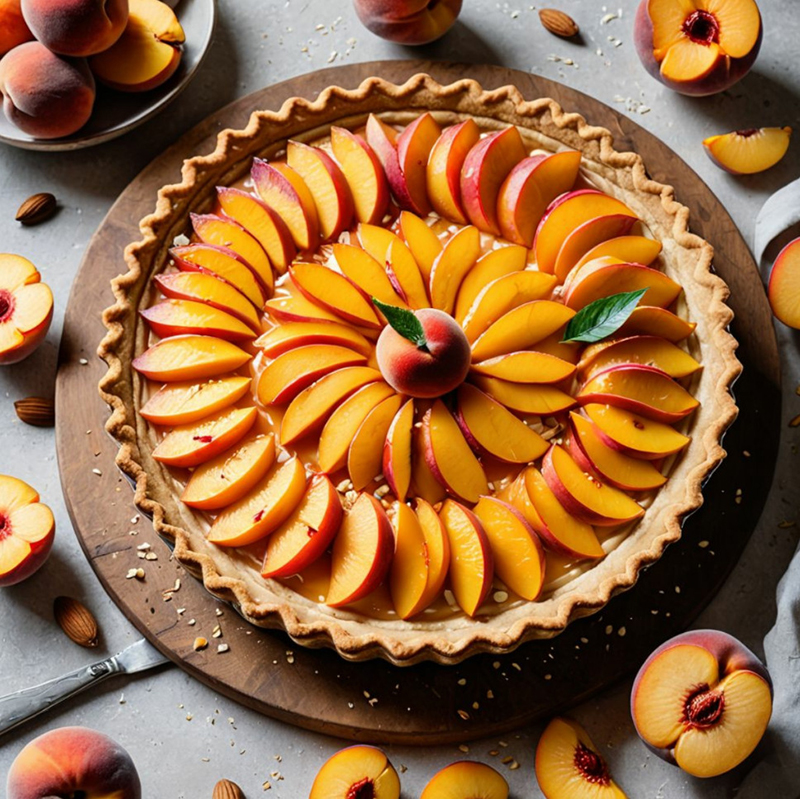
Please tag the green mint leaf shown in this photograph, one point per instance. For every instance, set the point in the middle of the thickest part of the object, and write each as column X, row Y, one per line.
column 601, row 318
column 404, row 322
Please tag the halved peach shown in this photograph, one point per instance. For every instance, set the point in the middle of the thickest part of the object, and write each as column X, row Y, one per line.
column 26, row 308
column 485, row 168
column 745, row 152
column 189, row 401
column 526, row 366
column 530, row 188
column 489, row 427
column 356, row 771
column 307, row 533
column 628, row 249
column 784, row 285
column 192, row 444
column 423, row 481
column 437, row 549
column 647, row 320
column 645, row 350
column 449, row 455
column 408, row 575
column 542, row 400
column 443, row 171
column 284, row 378
column 365, row 455
column 263, row 509
column 519, row 559
column 312, row 406
column 189, row 358
column 414, row 145
column 644, row 390
column 228, row 477
column 453, row 263
column 289, row 335
column 181, row 317
column 396, row 458
column 588, row 235
column 362, row 552
column 382, row 138
column 424, row 244
column 370, row 276
column 296, row 307
column 466, row 779
column 364, row 174
column 471, row 559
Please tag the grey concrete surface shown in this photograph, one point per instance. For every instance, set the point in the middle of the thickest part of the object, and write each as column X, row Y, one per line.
column 182, row 735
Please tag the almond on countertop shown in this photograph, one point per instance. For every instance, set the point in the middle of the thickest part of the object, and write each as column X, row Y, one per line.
column 37, row 208
column 76, row 620
column 558, row 22
column 225, row 789
column 36, row 411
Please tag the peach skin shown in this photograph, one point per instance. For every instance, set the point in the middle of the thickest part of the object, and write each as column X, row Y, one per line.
column 13, row 29
column 408, row 21
column 784, row 285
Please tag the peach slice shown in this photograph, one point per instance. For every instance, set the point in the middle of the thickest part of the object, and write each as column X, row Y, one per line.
column 211, row 290
column 526, row 367
column 282, row 189
column 645, row 350
column 495, row 264
column 382, row 138
column 564, row 351
column 784, row 285
column 408, row 575
column 180, row 358
column 365, row 455
column 192, row 444
column 516, row 494
column 628, row 249
column 471, row 559
column 437, row 550
column 263, row 509
column 327, row 184
column 568, row 764
column 297, row 308
column 343, row 424
column 702, row 701
column 530, row 188
column 745, row 152
column 503, row 295
column 396, row 459
column 364, row 174
column 542, row 400
column 644, row 390
column 647, row 320
column 601, row 278
column 362, row 552
column 519, row 559
column 312, row 406
column 449, row 455
column 224, row 264
column 26, row 308
column 363, row 270
column 485, row 168
column 180, row 317
column 224, row 232
column 404, row 273
column 355, row 772
column 424, row 244
column 466, row 779
column 187, row 402
column 587, row 236
column 567, row 213
column 228, row 477
column 414, row 145
column 27, row 530
column 443, row 172
column 593, row 455
column 289, row 335
column 583, row 495
column 635, row 435
column 521, row 328
column 423, row 480
column 559, row 528
column 307, row 533
column 489, row 427
column 453, row 263
column 291, row 372
column 262, row 222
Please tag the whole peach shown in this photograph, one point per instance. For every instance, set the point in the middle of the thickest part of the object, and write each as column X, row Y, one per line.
column 45, row 95
column 408, row 21
column 76, row 27
column 73, row 761
column 13, row 30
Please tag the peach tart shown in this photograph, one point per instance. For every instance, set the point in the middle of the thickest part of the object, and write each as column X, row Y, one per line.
column 418, row 371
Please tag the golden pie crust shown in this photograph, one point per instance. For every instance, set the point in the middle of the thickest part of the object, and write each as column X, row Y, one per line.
column 542, row 123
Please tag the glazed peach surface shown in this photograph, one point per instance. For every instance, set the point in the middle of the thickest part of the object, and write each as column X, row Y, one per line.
column 375, row 407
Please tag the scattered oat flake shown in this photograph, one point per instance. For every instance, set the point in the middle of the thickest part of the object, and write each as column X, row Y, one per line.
column 83, row 361
column 621, row 632
column 493, row 753
column 266, row 786
column 703, row 544
column 463, row 748
column 506, row 760
column 189, row 717
column 332, row 56
column 218, row 612
column 150, row 556
column 608, row 17
column 97, row 472
column 514, row 765
column 216, row 632
column 222, row 648
column 500, row 596
column 463, row 714
column 609, row 629
column 786, row 525
column 462, row 681
column 490, row 694
column 548, row 676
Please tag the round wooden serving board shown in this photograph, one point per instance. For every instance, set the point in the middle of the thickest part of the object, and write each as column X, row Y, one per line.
column 423, row 704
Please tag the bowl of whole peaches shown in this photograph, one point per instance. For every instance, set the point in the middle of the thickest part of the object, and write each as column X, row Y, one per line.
column 79, row 72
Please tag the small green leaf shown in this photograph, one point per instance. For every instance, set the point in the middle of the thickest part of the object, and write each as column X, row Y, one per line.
column 404, row 322
column 601, row 318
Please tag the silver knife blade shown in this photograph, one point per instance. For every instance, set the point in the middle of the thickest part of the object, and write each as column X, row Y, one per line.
column 138, row 657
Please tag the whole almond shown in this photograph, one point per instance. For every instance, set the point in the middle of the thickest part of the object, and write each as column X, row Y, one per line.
column 76, row 620
column 36, row 411
column 558, row 22
column 225, row 789
column 36, row 208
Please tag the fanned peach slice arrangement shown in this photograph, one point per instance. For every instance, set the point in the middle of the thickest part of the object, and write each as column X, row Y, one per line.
column 418, row 370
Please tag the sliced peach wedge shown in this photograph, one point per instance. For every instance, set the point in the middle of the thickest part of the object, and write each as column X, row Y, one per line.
column 437, row 550
column 423, row 481
column 424, row 244
column 180, row 317
column 382, row 138
column 370, row 276
column 396, row 457
column 263, row 509
column 362, row 552
column 525, row 398
column 356, row 771
column 453, row 263
column 414, row 145
column 784, row 285
column 526, row 366
column 746, row 152
column 307, row 533
column 443, row 171
column 408, row 575
column 628, row 249
column 491, row 266
column 569, row 766
column 466, row 779
column 365, row 455
column 296, row 307
column 186, row 402
column 180, row 358
column 648, row 320
column 228, row 477
column 645, row 350
column 289, row 335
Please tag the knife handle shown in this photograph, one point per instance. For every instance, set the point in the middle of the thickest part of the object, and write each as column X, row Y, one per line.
column 18, row 707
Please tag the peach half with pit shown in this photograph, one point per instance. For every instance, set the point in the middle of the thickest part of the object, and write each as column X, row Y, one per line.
column 356, row 772
column 26, row 308
column 466, row 779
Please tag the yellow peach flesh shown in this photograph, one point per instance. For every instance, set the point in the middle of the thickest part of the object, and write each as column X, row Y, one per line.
column 356, row 765
column 365, row 455
column 409, row 572
column 492, row 265
column 396, row 458
column 456, row 259
column 186, row 402
column 421, row 240
column 466, row 780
